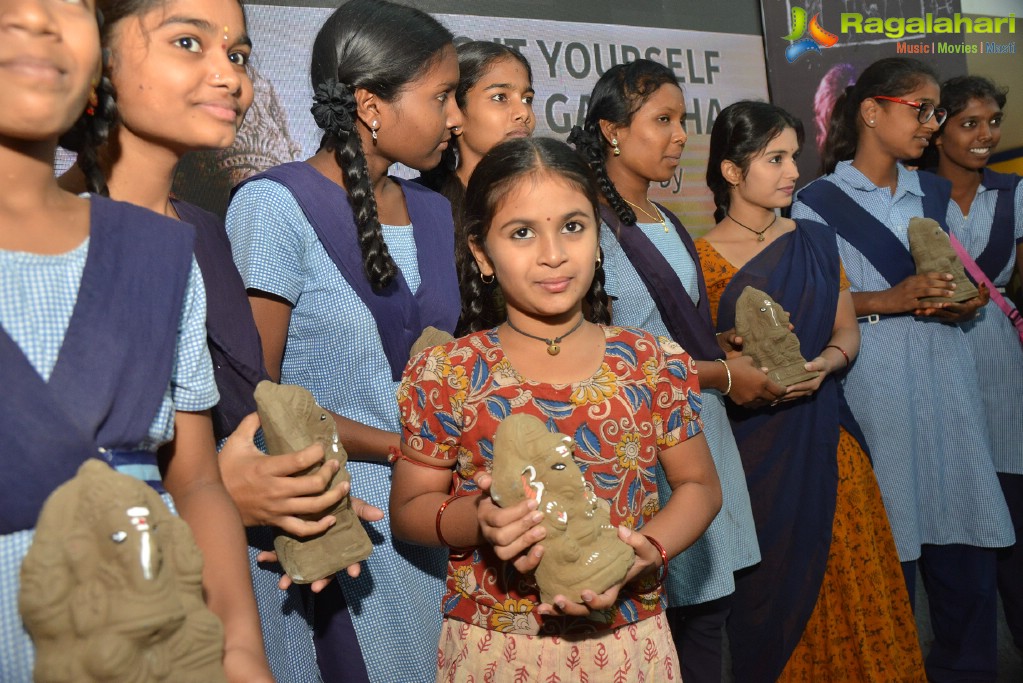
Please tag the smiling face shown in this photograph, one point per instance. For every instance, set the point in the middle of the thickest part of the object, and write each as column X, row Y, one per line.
column 771, row 177
column 899, row 132
column 415, row 127
column 542, row 247
column 969, row 138
column 179, row 73
column 49, row 56
column 651, row 145
column 498, row 107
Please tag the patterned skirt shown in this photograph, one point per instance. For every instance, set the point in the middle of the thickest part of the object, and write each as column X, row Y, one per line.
column 639, row 652
column 862, row 627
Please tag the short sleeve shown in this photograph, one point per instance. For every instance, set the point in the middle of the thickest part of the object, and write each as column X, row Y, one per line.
column 193, row 387
column 267, row 228
column 676, row 392
column 430, row 398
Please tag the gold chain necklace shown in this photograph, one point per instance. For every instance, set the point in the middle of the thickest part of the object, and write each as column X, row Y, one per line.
column 658, row 218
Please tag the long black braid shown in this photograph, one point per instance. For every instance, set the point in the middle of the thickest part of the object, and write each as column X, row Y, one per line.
column 378, row 46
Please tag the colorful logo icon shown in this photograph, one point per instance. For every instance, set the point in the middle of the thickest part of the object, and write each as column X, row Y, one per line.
column 819, row 37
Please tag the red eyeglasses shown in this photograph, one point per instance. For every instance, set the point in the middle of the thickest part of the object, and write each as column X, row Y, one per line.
column 925, row 110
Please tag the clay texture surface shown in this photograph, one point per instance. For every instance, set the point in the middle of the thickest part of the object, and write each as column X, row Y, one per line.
column 292, row 421
column 764, row 327
column 933, row 253
column 111, row 588
column 431, row 336
column 582, row 549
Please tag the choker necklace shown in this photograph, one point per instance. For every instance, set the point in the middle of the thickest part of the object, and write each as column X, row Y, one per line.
column 758, row 233
column 553, row 345
column 658, row 218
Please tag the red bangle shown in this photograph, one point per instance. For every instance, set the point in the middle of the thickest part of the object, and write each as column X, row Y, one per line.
column 663, row 574
column 440, row 536
column 840, row 350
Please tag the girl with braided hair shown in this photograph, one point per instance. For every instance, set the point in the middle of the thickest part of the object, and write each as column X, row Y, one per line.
column 345, row 266
column 627, row 398
column 194, row 56
column 102, row 349
column 634, row 135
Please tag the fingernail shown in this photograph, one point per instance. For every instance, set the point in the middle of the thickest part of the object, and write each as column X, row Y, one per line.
column 531, row 504
column 333, row 521
column 538, row 552
column 560, row 604
column 536, row 517
column 587, row 598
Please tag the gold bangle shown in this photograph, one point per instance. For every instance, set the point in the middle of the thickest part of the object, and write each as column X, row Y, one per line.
column 728, row 372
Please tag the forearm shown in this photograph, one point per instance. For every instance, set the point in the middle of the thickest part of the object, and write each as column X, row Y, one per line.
column 218, row 532
column 365, row 443
column 688, row 513
column 873, row 303
column 417, row 493
column 712, row 375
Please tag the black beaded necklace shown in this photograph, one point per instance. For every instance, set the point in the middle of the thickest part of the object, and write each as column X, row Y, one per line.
column 553, row 345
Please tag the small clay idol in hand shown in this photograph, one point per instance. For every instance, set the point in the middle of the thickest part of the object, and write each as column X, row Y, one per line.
column 764, row 327
column 933, row 253
column 292, row 421
column 111, row 587
column 582, row 549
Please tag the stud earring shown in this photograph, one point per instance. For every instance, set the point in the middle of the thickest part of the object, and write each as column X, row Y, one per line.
column 615, row 149
column 93, row 98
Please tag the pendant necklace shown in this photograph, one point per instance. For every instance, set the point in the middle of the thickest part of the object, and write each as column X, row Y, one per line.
column 553, row 345
column 758, row 233
column 658, row 218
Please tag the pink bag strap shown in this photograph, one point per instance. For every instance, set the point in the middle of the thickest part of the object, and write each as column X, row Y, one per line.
column 1010, row 311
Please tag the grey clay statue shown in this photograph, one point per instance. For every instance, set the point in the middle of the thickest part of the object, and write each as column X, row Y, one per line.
column 933, row 253
column 292, row 421
column 111, row 588
column 582, row 549
column 764, row 327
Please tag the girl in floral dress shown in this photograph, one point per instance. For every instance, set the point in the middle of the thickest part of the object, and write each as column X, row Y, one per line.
column 627, row 399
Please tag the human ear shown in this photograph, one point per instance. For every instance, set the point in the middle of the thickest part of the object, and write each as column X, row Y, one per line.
column 731, row 172
column 483, row 262
column 869, row 109
column 609, row 130
column 367, row 108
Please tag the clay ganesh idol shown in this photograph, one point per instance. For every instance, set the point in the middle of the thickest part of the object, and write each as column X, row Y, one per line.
column 582, row 548
column 292, row 421
column 764, row 327
column 933, row 253
column 111, row 588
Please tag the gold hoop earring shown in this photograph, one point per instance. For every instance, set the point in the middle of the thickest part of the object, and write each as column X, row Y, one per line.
column 600, row 262
column 615, row 149
column 485, row 281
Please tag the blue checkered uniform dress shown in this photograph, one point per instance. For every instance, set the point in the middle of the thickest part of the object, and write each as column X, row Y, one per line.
column 703, row 572
column 334, row 351
column 38, row 296
column 914, row 391
column 993, row 339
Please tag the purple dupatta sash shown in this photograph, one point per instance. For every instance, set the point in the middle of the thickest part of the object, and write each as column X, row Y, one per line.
column 789, row 456
column 689, row 324
column 1000, row 244
column 400, row 315
column 114, row 366
column 230, row 330
column 867, row 234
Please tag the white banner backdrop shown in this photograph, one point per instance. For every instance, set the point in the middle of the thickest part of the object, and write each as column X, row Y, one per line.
column 714, row 70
